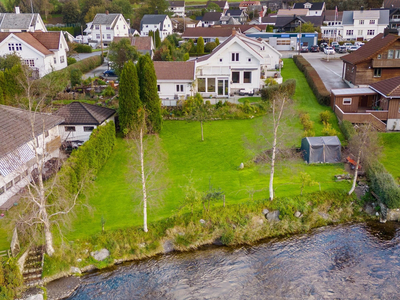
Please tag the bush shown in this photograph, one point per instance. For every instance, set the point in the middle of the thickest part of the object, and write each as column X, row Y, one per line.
column 268, row 92
column 76, row 77
column 347, row 129
column 308, row 133
column 210, row 46
column 384, row 185
column 289, row 87
column 10, row 278
column 324, row 116
column 108, row 92
column 328, row 130
column 308, row 125
column 313, row 79
column 101, row 82
column 70, row 60
column 81, row 48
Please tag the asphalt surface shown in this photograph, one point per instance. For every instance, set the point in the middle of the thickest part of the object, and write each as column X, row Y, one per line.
column 330, row 70
column 80, row 56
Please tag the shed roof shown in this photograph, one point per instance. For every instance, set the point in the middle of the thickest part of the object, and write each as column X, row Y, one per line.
column 353, row 91
column 78, row 113
column 323, row 140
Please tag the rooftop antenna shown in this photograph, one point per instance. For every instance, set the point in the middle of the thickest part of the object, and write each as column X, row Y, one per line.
column 31, row 6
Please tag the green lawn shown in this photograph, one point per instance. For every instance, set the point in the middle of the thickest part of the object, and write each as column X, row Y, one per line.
column 251, row 99
column 390, row 158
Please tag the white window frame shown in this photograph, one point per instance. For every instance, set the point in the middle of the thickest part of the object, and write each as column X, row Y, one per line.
column 347, row 101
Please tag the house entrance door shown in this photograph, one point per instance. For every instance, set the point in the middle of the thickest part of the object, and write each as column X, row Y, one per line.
column 223, row 88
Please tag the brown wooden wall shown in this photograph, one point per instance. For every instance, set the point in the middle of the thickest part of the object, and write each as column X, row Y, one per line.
column 394, row 109
column 347, row 108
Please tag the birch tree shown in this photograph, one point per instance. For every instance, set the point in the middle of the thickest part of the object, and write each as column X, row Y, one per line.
column 365, row 146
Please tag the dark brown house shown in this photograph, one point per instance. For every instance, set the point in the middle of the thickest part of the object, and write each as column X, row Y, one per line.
column 378, row 104
column 377, row 60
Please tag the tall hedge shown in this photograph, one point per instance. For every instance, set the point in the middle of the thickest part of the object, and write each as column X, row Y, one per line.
column 288, row 88
column 313, row 79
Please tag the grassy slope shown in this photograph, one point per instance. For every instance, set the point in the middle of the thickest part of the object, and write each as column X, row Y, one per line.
column 390, row 159
column 217, row 158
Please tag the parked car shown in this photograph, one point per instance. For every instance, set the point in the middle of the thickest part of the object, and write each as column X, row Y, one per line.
column 243, row 92
column 334, row 44
column 347, row 45
column 109, row 73
column 314, row 48
column 304, row 49
column 329, row 50
column 342, row 49
column 352, row 49
column 322, row 46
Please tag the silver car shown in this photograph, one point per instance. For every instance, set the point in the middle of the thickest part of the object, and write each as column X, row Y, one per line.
column 329, row 50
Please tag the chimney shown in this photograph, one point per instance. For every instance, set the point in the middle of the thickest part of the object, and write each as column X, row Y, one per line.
column 233, row 31
column 385, row 32
column 107, row 12
column 260, row 14
column 362, row 8
column 17, row 10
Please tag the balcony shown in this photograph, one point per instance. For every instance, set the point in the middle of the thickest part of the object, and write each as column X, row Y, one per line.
column 386, row 63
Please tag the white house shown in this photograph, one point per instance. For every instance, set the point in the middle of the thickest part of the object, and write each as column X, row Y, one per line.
column 42, row 51
column 153, row 22
column 18, row 148
column 210, row 19
column 315, row 9
column 177, row 8
column 107, row 26
column 80, row 119
column 237, row 63
column 364, row 24
column 17, row 22
column 175, row 80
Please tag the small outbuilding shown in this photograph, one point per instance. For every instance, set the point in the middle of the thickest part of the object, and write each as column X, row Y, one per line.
column 321, row 149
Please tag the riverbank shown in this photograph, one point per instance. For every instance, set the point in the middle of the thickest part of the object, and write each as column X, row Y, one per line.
column 239, row 224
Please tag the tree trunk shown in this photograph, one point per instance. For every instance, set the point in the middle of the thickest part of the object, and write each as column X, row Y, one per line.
column 202, row 135
column 49, row 238
column 143, row 183
column 271, row 178
column 353, row 187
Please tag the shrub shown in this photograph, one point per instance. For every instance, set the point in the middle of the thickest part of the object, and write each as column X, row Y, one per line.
column 268, row 92
column 324, row 116
column 384, row 185
column 101, row 82
column 81, row 48
column 308, row 133
column 10, row 278
column 108, row 92
column 308, row 125
column 289, row 87
column 313, row 79
column 328, row 130
column 210, row 46
column 70, row 60
column 347, row 129
column 270, row 81
column 75, row 77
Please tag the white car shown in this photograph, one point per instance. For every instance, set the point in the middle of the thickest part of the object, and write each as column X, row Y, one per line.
column 329, row 50
column 352, row 48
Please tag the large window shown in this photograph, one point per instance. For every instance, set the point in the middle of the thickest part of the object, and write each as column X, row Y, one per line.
column 378, row 72
column 88, row 128
column 397, row 54
column 11, row 47
column 235, row 77
column 210, row 85
column 97, row 27
column 235, row 56
column 281, row 42
column 371, row 32
column 371, row 21
column 360, row 32
column 9, row 185
column 179, row 87
column 62, row 59
column 349, row 32
column 247, row 77
column 201, row 85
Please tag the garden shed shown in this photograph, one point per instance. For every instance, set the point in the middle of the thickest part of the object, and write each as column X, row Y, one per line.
column 321, row 149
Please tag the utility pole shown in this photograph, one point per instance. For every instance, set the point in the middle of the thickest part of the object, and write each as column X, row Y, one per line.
column 300, row 39
column 101, row 42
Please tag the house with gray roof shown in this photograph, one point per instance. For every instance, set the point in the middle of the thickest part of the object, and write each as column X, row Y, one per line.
column 107, row 26
column 22, row 147
column 17, row 22
column 177, row 8
column 153, row 22
column 314, row 8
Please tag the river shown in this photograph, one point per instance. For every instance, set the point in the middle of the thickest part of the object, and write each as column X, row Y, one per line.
column 351, row 261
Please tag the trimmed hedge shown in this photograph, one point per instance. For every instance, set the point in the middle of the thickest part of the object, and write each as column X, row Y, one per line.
column 81, row 48
column 384, row 185
column 313, row 79
column 288, row 87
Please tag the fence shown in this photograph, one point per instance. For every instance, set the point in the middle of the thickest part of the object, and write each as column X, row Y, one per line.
column 5, row 253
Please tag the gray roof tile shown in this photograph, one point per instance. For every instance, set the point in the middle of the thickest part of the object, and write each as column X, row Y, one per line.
column 78, row 113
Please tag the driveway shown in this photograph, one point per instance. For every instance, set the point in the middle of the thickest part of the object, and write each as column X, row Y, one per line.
column 98, row 72
column 81, row 56
column 329, row 71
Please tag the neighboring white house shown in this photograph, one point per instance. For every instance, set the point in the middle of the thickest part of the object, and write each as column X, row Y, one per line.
column 17, row 148
column 175, row 80
column 177, row 8
column 81, row 119
column 364, row 24
column 17, row 22
column 42, row 51
column 315, row 9
column 153, row 22
column 237, row 63
column 107, row 26
column 210, row 19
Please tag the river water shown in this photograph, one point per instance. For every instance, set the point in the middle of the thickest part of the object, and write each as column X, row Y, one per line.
column 352, row 261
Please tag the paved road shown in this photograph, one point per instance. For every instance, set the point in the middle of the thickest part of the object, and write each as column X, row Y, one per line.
column 81, row 56
column 329, row 71
column 98, row 72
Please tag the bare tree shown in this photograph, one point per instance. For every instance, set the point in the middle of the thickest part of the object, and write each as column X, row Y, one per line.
column 148, row 163
column 365, row 146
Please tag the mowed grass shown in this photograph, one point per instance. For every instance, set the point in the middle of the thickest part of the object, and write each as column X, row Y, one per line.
column 215, row 161
column 252, row 99
column 390, row 158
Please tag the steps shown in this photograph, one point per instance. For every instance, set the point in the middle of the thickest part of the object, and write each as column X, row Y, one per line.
column 33, row 267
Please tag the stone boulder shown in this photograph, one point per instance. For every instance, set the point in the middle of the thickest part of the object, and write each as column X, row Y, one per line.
column 324, row 215
column 35, row 297
column 241, row 166
column 265, row 211
column 168, row 246
column 273, row 216
column 369, row 209
column 298, row 214
column 393, row 214
column 75, row 270
column 100, row 255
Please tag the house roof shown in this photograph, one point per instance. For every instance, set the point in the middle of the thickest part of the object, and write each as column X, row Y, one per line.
column 218, row 31
column 314, row 5
column 391, row 3
column 388, row 88
column 38, row 40
column 330, row 15
column 78, row 113
column 176, row 3
column 105, row 19
column 382, row 16
column 284, row 21
column 221, row 4
column 248, row 3
column 174, row 70
column 234, row 12
column 17, row 21
column 291, row 12
column 211, row 16
column 152, row 19
column 269, row 20
column 353, row 91
column 141, row 43
column 370, row 49
column 15, row 127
